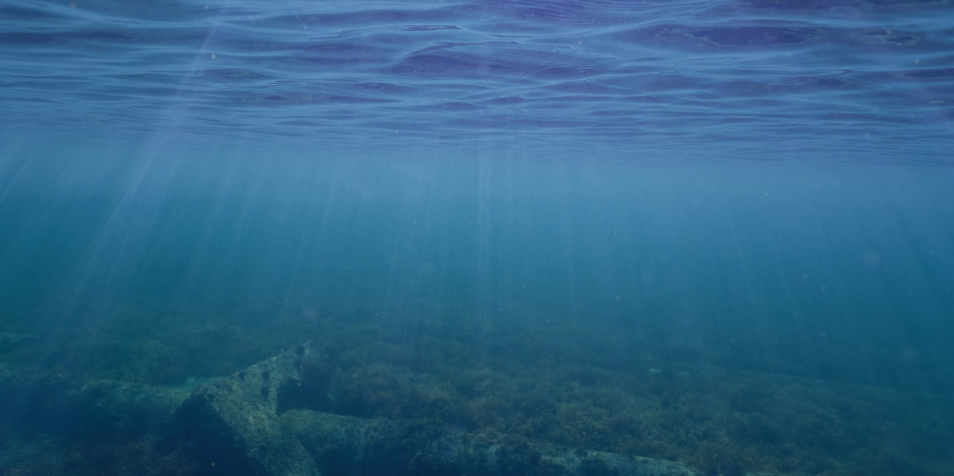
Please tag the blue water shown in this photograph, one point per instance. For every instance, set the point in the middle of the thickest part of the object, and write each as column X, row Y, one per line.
column 754, row 197
column 846, row 80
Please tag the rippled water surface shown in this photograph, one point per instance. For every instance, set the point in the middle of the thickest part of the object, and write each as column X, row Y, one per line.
column 850, row 79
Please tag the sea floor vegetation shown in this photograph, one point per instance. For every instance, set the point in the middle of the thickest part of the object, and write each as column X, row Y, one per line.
column 561, row 381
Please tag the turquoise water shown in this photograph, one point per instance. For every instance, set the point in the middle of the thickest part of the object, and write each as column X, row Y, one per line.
column 666, row 229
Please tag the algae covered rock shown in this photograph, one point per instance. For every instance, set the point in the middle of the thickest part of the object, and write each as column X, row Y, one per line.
column 234, row 424
column 350, row 445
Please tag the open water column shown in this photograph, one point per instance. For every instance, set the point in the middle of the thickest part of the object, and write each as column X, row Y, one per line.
column 477, row 237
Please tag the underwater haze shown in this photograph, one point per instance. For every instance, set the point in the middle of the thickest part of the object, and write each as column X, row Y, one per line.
column 713, row 233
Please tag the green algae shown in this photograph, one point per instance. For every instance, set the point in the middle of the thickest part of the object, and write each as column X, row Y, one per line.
column 542, row 383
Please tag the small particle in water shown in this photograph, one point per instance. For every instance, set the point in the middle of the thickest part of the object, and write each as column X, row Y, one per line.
column 213, row 56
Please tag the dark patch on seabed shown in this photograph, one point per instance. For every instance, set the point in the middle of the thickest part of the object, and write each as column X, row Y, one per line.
column 550, row 381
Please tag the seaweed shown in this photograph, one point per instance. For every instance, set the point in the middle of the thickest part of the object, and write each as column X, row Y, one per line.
column 539, row 382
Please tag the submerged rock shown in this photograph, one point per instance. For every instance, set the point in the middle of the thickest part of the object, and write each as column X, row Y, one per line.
column 349, row 445
column 276, row 418
column 234, row 422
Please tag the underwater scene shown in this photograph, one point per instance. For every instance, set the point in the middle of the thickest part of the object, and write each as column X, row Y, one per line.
column 500, row 237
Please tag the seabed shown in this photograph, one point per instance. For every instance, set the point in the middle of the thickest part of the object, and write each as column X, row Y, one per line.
column 360, row 397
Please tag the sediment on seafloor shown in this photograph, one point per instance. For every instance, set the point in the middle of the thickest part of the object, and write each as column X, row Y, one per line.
column 349, row 445
column 268, row 420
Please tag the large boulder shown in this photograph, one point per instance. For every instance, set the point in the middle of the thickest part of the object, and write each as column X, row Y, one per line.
column 233, row 423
